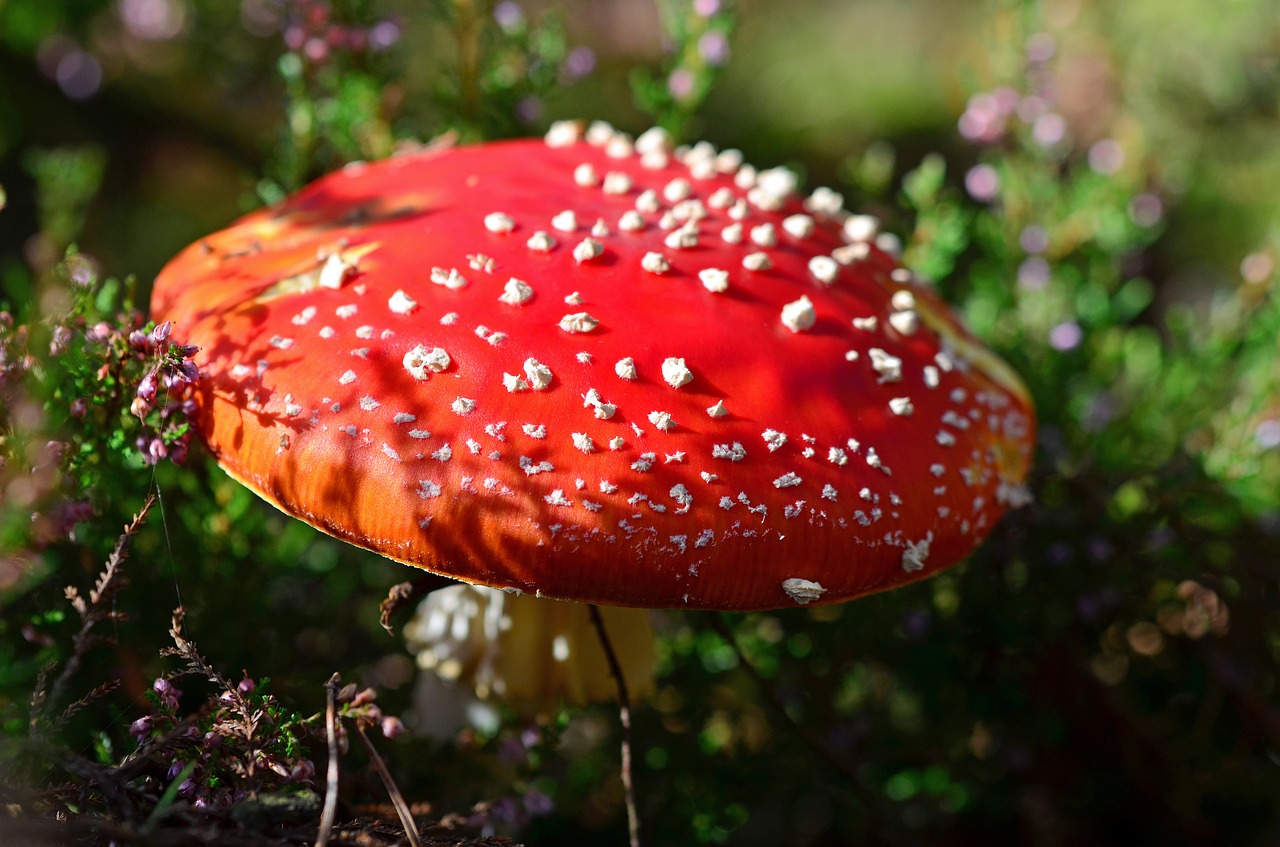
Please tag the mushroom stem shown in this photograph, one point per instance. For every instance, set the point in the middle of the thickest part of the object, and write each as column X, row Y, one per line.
column 624, row 717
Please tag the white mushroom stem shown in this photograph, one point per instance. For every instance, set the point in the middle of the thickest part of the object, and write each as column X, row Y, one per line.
column 531, row 652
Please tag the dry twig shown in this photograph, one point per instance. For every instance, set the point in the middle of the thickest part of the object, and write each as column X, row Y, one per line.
column 330, row 810
column 624, row 717
column 393, row 791
column 93, row 611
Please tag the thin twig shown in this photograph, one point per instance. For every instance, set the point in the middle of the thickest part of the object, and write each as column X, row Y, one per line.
column 624, row 716
column 330, row 811
column 397, row 799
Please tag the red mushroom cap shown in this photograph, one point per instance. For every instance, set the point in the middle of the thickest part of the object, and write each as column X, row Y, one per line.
column 599, row 370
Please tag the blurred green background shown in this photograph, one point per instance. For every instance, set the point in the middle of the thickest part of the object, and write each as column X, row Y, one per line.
column 183, row 97
column 1094, row 184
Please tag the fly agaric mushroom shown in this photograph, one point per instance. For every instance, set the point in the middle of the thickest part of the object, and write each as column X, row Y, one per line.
column 600, row 370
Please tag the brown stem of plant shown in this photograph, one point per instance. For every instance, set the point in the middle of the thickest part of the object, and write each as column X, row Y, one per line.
column 92, row 611
column 393, row 791
column 624, row 717
column 330, row 811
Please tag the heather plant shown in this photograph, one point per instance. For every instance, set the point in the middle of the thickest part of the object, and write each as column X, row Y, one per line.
column 1095, row 199
column 696, row 38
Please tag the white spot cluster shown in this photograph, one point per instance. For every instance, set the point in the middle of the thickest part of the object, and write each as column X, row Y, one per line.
column 401, row 303
column 803, row 591
column 449, row 278
column 714, row 280
column 754, row 222
column 539, row 375
column 799, row 315
column 541, row 242
column 655, row 263
column 676, row 373
column 516, row 292
column 423, row 361
column 587, row 249
column 499, row 222
column 578, row 322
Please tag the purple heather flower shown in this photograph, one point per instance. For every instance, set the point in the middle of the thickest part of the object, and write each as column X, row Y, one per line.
column 509, row 16
column 505, row 810
column 383, row 35
column 79, row 74
column 1100, row 550
column 187, row 371
column 303, row 770
column 1146, row 210
column 529, row 108
column 580, row 62
column 392, row 726
column 60, row 341
column 316, row 49
column 160, row 334
column 538, row 804
column 530, row 736
column 152, row 20
column 986, row 114
column 294, row 37
column 1106, row 156
column 713, row 46
column 141, row 728
column 706, row 8
column 983, row 183
column 1034, row 239
column 1034, row 273
column 1005, row 100
column 1030, row 108
column 680, row 83
column 916, row 624
column 81, row 268
column 1267, row 434
column 147, row 387
column 178, row 450
column 1041, row 47
column 167, row 692
column 1059, row 554
column 1066, row 336
column 1049, row 129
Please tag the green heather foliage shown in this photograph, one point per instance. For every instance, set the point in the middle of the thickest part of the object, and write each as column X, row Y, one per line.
column 1093, row 185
